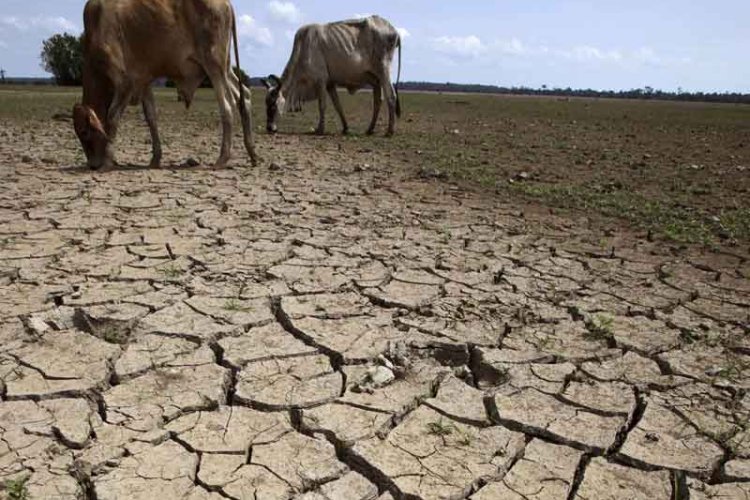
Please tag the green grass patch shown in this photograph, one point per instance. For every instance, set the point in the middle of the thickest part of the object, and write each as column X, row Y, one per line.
column 16, row 489
column 674, row 222
column 440, row 428
column 599, row 329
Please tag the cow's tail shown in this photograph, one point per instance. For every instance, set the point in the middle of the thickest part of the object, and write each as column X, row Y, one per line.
column 398, row 79
column 242, row 104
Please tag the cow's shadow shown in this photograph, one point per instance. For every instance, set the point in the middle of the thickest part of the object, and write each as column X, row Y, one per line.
column 132, row 167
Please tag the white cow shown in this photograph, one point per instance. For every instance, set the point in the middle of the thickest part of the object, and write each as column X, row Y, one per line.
column 350, row 54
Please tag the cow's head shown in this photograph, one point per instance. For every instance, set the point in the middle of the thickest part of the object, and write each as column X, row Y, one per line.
column 90, row 132
column 274, row 102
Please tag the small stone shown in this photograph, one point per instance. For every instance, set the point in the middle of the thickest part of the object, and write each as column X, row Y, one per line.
column 380, row 376
column 38, row 325
column 385, row 361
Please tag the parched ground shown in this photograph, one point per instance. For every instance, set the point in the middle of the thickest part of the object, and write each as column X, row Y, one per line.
column 331, row 326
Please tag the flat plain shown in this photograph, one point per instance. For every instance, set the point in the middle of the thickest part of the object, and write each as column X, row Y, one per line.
column 512, row 298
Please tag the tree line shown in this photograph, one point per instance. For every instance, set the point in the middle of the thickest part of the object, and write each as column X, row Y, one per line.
column 641, row 93
column 62, row 57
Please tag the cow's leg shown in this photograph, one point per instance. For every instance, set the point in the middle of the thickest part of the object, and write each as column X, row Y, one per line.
column 149, row 112
column 390, row 95
column 384, row 77
column 322, row 111
column 247, row 117
column 223, row 97
column 337, row 104
column 114, row 114
column 377, row 101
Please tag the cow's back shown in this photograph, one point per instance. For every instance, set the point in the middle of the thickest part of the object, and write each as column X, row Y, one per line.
column 143, row 39
column 349, row 49
column 373, row 37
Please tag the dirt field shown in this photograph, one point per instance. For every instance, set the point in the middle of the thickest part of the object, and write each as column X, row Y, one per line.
column 366, row 318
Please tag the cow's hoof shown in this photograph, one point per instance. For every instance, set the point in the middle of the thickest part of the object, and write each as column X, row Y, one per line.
column 389, row 133
column 154, row 164
column 370, row 131
column 345, row 131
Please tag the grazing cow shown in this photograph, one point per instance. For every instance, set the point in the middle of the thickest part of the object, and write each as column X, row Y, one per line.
column 127, row 44
column 350, row 54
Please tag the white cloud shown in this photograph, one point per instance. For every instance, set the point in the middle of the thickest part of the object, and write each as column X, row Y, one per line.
column 460, row 45
column 46, row 23
column 248, row 27
column 361, row 16
column 472, row 46
column 514, row 46
column 285, row 11
column 647, row 55
column 403, row 32
column 588, row 53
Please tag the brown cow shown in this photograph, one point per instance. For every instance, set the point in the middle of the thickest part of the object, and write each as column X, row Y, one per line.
column 127, row 44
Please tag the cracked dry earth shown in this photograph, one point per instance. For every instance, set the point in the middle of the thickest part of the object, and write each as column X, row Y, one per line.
column 323, row 331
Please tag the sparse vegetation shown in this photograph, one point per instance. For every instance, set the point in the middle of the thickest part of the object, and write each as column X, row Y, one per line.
column 545, row 342
column 440, row 428
column 171, row 271
column 113, row 334
column 234, row 305
column 734, row 368
column 7, row 242
column 599, row 328
column 673, row 170
column 16, row 489
column 464, row 438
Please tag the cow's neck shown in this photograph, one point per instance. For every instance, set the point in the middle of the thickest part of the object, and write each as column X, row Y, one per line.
column 286, row 80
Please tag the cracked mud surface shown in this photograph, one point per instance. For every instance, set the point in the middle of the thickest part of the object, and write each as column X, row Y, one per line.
column 318, row 331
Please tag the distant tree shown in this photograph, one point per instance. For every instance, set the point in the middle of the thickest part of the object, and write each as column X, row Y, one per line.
column 2, row 75
column 62, row 56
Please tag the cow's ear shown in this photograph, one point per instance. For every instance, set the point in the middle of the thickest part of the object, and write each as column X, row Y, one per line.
column 265, row 83
column 95, row 123
column 85, row 121
column 275, row 79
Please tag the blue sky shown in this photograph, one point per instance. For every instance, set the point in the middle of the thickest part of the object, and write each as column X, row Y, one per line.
column 604, row 44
